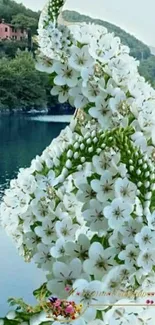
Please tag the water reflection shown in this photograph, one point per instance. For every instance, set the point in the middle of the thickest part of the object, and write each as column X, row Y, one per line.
column 21, row 139
column 54, row 118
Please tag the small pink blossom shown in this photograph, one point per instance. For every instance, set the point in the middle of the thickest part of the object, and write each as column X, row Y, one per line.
column 67, row 289
column 69, row 309
column 57, row 303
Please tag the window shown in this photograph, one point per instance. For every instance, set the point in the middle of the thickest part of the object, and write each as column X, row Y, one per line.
column 15, row 37
column 21, row 38
column 6, row 29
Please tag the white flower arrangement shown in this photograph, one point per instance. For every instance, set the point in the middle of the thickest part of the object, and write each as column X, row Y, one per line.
column 85, row 210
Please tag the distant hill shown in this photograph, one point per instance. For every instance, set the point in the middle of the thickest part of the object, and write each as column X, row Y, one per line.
column 152, row 49
column 10, row 8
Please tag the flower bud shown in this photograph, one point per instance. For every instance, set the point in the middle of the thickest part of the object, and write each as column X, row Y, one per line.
column 83, row 159
column 76, row 155
column 69, row 153
column 68, row 164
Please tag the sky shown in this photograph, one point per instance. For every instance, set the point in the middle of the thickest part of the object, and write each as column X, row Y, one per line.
column 135, row 16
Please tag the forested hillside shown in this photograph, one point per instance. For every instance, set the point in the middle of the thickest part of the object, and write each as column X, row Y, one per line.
column 22, row 87
column 18, row 14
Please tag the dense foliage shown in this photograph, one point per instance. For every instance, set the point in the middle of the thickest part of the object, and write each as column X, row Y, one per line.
column 9, row 48
column 21, row 86
column 147, row 69
column 9, row 9
column 22, row 21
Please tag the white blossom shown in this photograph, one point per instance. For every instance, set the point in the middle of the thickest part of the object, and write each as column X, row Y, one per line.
column 95, row 218
column 88, row 293
column 104, row 187
column 64, row 275
column 66, row 229
column 100, row 260
column 129, row 255
column 117, row 213
column 129, row 230
column 43, row 257
column 46, row 231
column 125, row 190
column 79, row 248
column 66, row 75
column 80, row 58
column 145, row 238
column 146, row 260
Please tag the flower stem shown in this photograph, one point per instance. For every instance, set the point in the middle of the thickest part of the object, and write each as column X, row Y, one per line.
column 99, row 315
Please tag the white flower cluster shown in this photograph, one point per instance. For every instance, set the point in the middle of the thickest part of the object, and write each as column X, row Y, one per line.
column 92, row 70
column 85, row 210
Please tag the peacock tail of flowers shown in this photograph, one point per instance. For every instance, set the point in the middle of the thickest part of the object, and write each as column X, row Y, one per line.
column 84, row 211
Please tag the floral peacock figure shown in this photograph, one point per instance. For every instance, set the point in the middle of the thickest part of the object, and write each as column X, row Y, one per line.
column 85, row 210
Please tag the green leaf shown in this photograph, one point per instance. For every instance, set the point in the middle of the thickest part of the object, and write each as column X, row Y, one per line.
column 41, row 293
column 99, row 314
column 95, row 238
column 11, row 322
column 153, row 200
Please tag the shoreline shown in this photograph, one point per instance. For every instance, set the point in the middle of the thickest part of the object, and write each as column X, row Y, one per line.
column 52, row 118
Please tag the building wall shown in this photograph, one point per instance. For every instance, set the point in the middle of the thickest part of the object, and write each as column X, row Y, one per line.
column 4, row 31
column 9, row 32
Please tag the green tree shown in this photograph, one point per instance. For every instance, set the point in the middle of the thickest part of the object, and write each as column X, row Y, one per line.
column 21, row 86
column 147, row 69
column 9, row 8
column 22, row 21
column 9, row 48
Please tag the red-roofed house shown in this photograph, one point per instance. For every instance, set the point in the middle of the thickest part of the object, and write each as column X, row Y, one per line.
column 8, row 31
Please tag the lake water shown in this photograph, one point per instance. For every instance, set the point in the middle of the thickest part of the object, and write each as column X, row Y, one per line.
column 21, row 139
